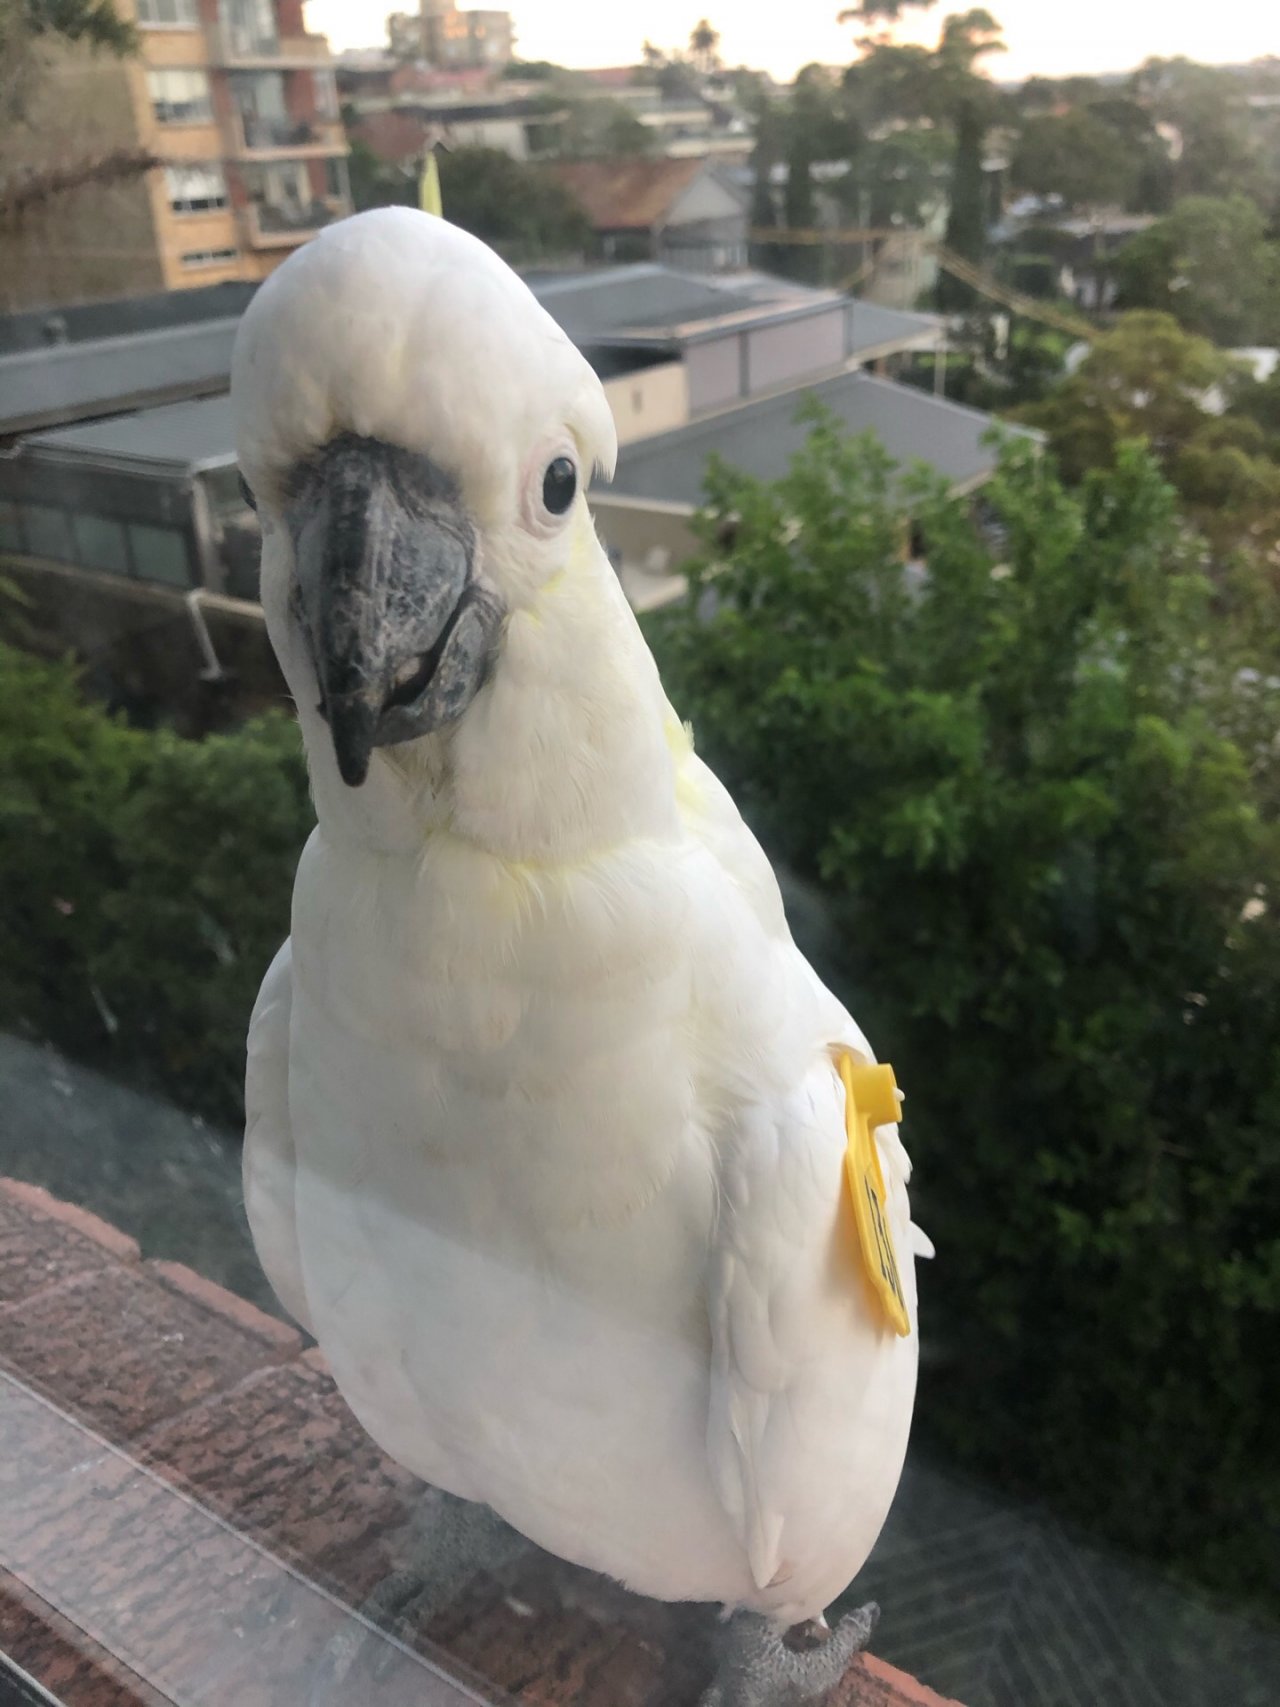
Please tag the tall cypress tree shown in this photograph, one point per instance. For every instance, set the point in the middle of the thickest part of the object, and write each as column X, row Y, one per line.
column 966, row 221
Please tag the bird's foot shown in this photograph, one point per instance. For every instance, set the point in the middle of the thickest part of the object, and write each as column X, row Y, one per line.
column 760, row 1668
column 452, row 1540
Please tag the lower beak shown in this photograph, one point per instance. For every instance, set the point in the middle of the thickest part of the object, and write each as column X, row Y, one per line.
column 401, row 628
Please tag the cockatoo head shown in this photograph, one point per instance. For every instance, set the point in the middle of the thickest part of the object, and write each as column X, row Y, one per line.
column 417, row 434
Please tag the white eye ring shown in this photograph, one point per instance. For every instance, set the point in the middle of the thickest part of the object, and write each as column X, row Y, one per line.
column 552, row 486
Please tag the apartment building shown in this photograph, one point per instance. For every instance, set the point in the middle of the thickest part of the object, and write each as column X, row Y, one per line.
column 238, row 104
column 453, row 39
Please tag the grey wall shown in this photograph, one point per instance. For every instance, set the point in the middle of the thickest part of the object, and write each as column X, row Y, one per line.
column 714, row 373
column 795, row 349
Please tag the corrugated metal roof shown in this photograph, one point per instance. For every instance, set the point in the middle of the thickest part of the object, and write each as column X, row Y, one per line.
column 762, row 437
column 68, row 382
column 176, row 437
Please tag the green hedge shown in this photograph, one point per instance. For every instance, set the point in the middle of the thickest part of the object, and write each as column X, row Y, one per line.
column 145, row 883
column 1036, row 796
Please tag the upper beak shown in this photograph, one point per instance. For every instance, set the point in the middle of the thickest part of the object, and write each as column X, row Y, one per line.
column 400, row 626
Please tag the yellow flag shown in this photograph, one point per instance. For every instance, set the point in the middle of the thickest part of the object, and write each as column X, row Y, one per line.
column 429, row 186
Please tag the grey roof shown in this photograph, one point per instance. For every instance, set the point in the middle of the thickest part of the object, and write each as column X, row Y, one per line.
column 762, row 437
column 645, row 305
column 40, row 328
column 759, row 437
column 177, row 437
column 874, row 326
column 657, row 303
column 70, row 382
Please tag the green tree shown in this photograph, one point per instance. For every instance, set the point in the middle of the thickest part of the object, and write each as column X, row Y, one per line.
column 1202, row 418
column 1041, row 838
column 764, row 157
column 94, row 22
column 517, row 207
column 1206, row 106
column 29, row 31
column 704, row 43
column 1077, row 156
column 514, row 205
column 1209, row 263
column 600, row 128
column 1145, row 378
column 144, row 883
column 895, row 84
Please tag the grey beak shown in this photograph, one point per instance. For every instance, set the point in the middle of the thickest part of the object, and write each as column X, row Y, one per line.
column 401, row 628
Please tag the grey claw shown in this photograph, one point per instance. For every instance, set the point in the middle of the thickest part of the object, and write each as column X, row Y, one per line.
column 758, row 1669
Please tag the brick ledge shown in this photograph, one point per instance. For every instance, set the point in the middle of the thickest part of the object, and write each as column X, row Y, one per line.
column 222, row 1401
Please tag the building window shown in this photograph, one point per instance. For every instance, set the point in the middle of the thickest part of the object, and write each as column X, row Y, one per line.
column 169, row 14
column 100, row 544
column 209, row 257
column 49, row 533
column 335, row 178
column 159, row 554
column 10, row 526
column 180, row 97
column 326, row 94
column 195, row 189
column 251, row 25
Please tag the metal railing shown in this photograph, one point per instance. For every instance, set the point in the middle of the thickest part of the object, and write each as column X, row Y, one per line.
column 273, row 225
column 230, row 46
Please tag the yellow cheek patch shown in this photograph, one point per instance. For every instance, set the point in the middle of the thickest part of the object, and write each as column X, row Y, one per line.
column 871, row 1100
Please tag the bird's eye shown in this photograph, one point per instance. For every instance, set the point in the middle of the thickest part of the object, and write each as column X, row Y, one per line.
column 559, row 485
column 246, row 494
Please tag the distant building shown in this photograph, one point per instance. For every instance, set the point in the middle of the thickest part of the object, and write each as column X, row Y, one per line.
column 454, row 40
column 239, row 103
column 405, row 35
column 682, row 212
column 141, row 513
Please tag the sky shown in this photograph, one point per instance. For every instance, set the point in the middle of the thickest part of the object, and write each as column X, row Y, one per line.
column 1053, row 39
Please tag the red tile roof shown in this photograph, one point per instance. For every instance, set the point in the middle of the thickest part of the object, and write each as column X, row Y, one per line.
column 626, row 195
column 393, row 136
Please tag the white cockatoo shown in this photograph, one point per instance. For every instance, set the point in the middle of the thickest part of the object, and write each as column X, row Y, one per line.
column 547, row 1116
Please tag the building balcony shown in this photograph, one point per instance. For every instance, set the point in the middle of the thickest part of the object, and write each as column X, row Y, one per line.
column 244, row 51
column 293, row 139
column 272, row 225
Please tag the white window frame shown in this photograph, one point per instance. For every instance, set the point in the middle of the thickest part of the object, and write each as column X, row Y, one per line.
column 175, row 76
column 179, row 199
column 186, row 15
column 197, row 258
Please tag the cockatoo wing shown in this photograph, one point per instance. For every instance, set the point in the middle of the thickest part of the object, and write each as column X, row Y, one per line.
column 269, row 1163
column 803, row 1363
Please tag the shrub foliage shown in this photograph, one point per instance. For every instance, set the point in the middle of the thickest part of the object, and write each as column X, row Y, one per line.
column 1035, row 791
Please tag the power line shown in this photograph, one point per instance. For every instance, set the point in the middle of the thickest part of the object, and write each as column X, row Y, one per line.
column 1029, row 307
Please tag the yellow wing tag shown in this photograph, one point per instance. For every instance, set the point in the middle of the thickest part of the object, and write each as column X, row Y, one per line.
column 870, row 1100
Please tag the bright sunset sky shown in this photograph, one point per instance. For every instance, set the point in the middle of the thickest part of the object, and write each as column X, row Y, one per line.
column 1083, row 35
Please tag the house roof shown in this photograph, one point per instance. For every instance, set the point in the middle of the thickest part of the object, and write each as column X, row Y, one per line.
column 762, row 437
column 176, row 438
column 150, row 359
column 68, row 382
column 627, row 195
column 759, row 437
column 875, row 327
column 40, row 329
column 657, row 305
